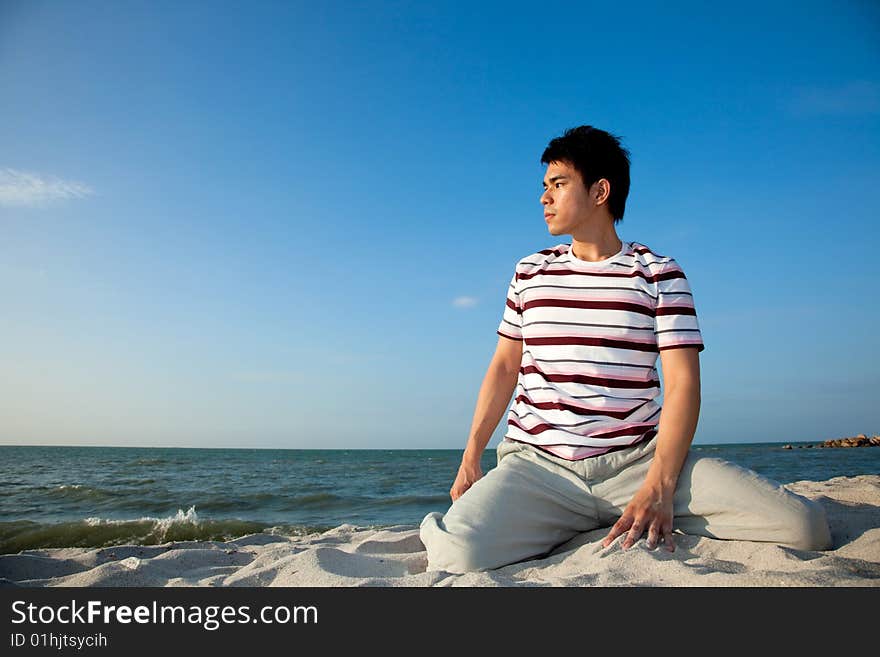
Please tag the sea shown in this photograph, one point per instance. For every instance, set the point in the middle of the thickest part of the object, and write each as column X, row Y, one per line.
column 104, row 496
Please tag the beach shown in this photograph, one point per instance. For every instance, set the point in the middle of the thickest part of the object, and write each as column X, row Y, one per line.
column 353, row 556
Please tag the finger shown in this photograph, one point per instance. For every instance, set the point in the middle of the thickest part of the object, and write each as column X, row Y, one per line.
column 668, row 540
column 638, row 527
column 619, row 528
column 459, row 490
column 653, row 536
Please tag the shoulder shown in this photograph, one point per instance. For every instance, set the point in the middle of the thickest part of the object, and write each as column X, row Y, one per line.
column 647, row 257
column 539, row 260
column 655, row 265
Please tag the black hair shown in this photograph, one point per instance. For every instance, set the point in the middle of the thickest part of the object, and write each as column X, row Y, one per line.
column 594, row 154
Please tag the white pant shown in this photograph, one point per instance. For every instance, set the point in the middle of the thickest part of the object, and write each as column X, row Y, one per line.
column 534, row 501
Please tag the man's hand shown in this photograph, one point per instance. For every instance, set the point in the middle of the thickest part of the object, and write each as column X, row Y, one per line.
column 468, row 474
column 650, row 509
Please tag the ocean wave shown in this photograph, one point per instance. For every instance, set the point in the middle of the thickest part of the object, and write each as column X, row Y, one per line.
column 79, row 493
column 161, row 524
column 103, row 532
column 84, row 497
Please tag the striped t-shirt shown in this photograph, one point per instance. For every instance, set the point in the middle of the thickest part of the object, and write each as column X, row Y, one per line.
column 591, row 335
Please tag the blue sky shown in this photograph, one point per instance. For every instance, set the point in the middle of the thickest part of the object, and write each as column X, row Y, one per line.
column 293, row 224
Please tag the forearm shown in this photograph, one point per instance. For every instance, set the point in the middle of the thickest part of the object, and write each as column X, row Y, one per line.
column 677, row 425
column 495, row 393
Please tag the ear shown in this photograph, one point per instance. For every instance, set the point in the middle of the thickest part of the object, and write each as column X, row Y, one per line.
column 600, row 191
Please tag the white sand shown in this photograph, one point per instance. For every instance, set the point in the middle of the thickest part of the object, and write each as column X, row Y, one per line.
column 353, row 556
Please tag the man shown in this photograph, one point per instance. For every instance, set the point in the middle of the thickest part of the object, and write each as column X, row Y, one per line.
column 586, row 444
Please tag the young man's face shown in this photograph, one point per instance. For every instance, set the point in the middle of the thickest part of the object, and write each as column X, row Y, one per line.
column 567, row 203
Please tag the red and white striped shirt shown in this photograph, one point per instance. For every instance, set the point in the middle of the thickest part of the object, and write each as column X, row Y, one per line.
column 591, row 335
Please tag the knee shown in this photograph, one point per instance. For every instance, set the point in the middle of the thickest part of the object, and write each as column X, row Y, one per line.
column 461, row 557
column 457, row 553
column 809, row 527
column 763, row 509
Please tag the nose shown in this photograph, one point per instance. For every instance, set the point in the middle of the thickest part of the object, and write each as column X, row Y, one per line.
column 545, row 197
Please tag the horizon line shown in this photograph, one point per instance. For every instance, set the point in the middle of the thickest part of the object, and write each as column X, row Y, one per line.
column 383, row 449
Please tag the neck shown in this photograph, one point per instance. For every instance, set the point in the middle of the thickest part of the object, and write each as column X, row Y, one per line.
column 600, row 245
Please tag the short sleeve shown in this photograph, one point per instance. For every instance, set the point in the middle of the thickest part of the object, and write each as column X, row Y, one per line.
column 511, row 320
column 675, row 321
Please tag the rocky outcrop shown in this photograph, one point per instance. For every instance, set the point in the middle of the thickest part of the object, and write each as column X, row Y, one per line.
column 856, row 441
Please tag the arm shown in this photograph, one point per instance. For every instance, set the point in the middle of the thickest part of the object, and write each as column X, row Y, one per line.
column 651, row 507
column 495, row 393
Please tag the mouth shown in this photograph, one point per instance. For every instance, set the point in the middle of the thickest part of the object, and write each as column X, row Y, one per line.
column 547, row 217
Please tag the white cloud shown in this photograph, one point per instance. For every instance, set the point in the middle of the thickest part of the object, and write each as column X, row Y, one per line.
column 854, row 97
column 464, row 302
column 30, row 189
